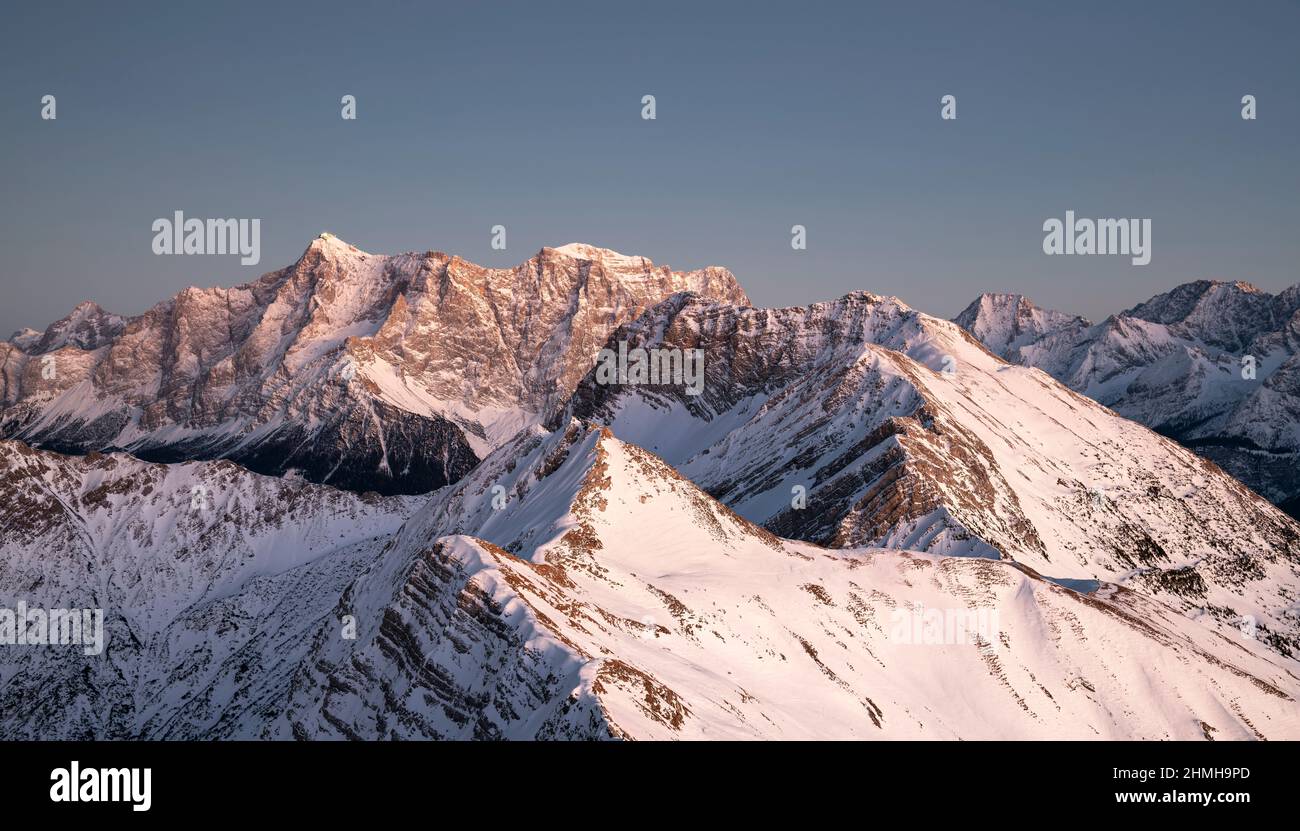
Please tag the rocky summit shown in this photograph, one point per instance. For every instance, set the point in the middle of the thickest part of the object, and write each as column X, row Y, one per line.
column 387, row 373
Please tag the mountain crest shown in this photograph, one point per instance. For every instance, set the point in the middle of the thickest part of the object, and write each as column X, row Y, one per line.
column 450, row 359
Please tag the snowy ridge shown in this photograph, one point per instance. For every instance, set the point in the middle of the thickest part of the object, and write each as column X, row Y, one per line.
column 648, row 610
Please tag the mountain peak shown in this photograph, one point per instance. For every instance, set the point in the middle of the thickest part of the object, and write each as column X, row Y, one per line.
column 86, row 327
column 1179, row 302
column 25, row 338
column 1003, row 322
column 583, row 251
column 1226, row 315
column 331, row 245
column 993, row 303
column 586, row 567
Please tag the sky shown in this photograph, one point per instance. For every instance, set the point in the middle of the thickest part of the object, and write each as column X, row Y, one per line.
column 528, row 115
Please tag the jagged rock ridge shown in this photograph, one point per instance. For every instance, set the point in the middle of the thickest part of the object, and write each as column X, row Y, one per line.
column 368, row 372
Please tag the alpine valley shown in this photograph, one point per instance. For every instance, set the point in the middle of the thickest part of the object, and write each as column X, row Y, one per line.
column 380, row 497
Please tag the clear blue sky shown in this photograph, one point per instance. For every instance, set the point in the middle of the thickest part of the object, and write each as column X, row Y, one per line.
column 528, row 115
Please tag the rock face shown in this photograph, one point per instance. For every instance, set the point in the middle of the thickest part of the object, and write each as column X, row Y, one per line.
column 630, row 605
column 863, row 422
column 386, row 373
column 1181, row 364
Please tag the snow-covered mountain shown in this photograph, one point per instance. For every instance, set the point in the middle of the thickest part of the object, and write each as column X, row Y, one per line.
column 209, row 577
column 387, row 373
column 1006, row 322
column 1214, row 365
column 632, row 605
column 864, row 525
column 863, row 422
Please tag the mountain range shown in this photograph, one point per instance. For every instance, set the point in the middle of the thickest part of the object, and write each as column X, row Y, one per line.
column 1214, row 365
column 391, row 497
column 387, row 373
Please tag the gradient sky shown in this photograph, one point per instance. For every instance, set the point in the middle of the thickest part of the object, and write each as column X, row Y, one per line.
column 528, row 115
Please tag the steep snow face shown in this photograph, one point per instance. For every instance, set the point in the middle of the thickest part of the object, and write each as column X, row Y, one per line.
column 1214, row 365
column 636, row 606
column 862, row 422
column 209, row 578
column 391, row 373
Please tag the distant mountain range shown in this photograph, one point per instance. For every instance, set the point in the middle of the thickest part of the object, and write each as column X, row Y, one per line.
column 1214, row 365
column 590, row 560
